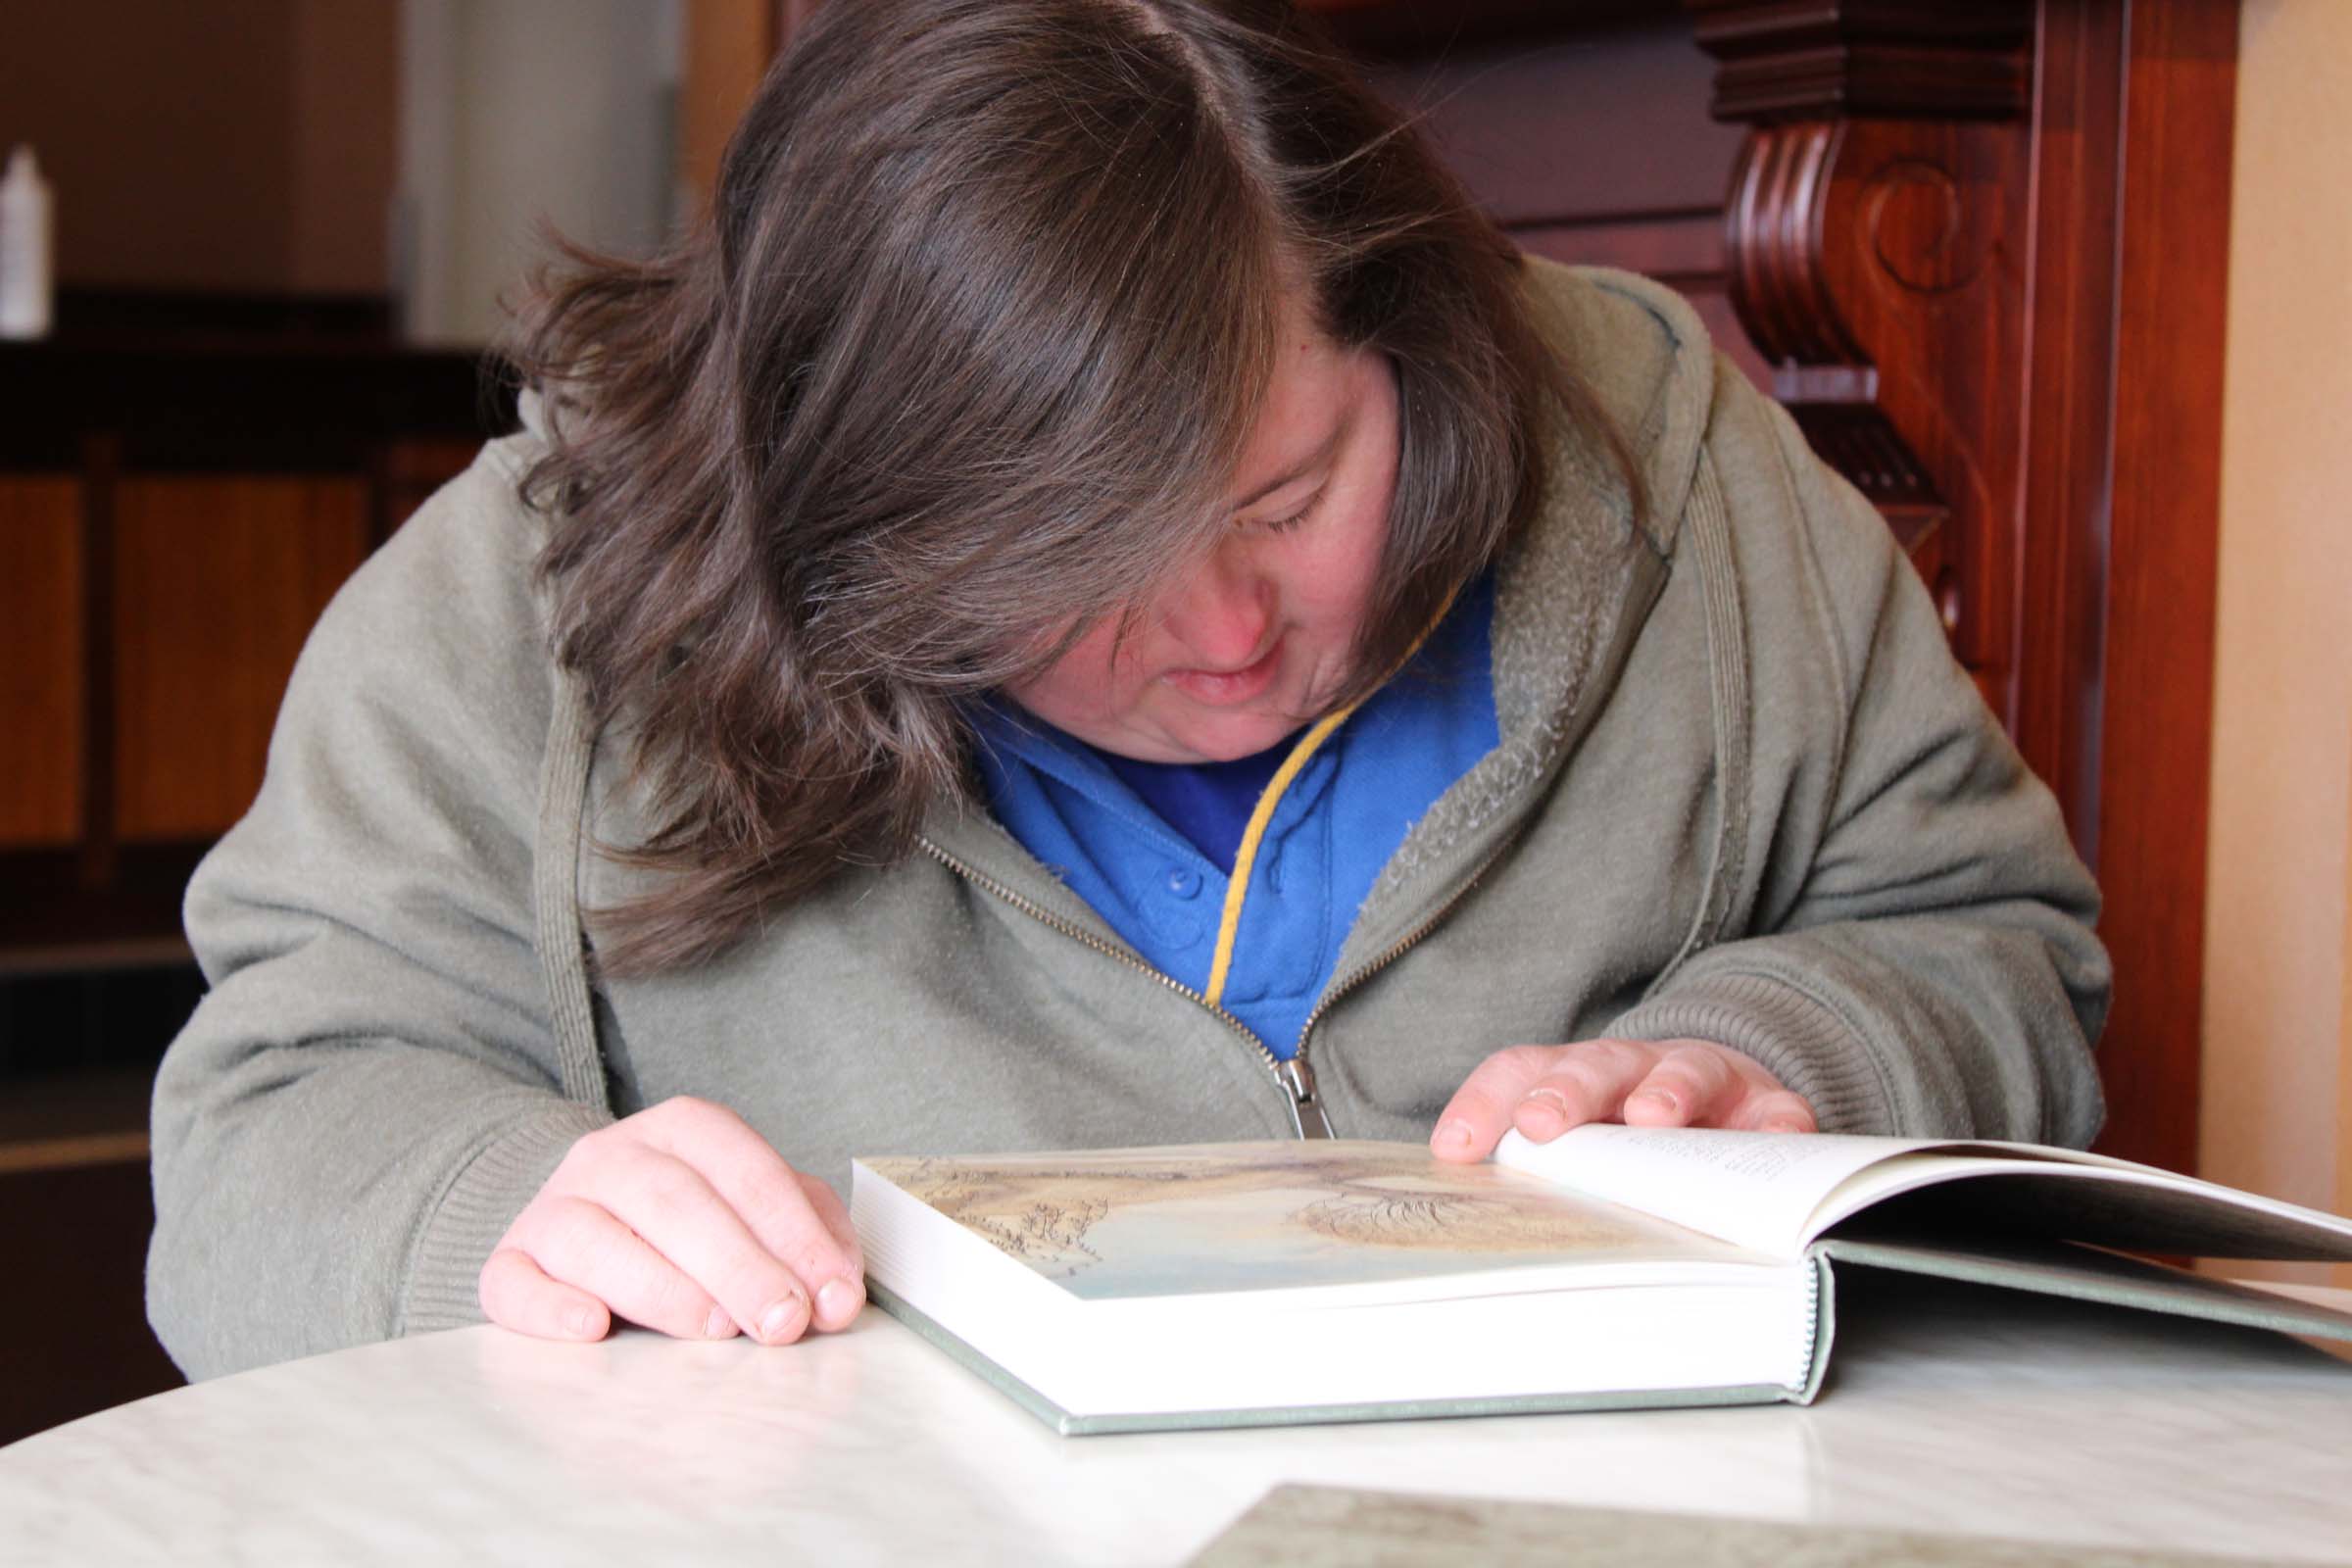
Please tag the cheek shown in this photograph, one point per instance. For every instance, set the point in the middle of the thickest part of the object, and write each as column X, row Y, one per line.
column 1334, row 575
column 1084, row 683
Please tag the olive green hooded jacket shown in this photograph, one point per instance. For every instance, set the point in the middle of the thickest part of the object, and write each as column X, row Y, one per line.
column 1741, row 793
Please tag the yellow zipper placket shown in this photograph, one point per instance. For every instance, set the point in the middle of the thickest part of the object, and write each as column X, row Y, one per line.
column 1308, row 1119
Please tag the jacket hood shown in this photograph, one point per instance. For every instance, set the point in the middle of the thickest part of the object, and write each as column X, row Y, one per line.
column 1575, row 589
column 1647, row 357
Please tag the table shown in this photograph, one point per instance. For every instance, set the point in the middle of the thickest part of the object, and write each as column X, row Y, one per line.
column 1950, row 1407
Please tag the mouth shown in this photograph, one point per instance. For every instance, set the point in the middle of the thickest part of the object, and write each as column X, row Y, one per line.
column 1229, row 688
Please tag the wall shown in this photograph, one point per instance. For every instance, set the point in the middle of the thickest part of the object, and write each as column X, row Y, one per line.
column 518, row 113
column 2277, row 1065
column 192, row 155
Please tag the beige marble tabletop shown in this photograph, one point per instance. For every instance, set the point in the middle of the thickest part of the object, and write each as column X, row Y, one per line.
column 1949, row 1408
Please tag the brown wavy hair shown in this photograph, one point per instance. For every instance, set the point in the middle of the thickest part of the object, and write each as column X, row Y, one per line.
column 969, row 347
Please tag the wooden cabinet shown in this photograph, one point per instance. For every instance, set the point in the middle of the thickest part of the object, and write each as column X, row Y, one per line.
column 216, row 583
column 182, row 491
column 180, row 494
column 41, row 660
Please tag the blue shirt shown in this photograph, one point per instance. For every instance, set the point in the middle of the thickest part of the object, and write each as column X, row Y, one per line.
column 1209, row 803
column 1164, row 890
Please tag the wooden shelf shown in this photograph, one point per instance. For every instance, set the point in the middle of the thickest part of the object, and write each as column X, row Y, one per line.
column 67, row 1121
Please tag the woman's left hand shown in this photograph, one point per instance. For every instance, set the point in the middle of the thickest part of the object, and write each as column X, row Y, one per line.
column 1545, row 1090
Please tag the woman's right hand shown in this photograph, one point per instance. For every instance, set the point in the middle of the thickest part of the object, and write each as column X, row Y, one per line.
column 683, row 1220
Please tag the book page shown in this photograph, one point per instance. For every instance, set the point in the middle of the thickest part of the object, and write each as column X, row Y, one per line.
column 1777, row 1192
column 2138, row 1209
column 1756, row 1190
column 1136, row 1223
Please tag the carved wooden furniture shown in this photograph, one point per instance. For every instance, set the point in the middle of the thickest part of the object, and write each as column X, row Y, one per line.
column 1980, row 252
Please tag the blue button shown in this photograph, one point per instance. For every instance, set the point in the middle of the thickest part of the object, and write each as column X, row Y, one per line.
column 1182, row 881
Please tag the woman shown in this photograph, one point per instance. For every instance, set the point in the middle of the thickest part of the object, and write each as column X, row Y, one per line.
column 1097, row 604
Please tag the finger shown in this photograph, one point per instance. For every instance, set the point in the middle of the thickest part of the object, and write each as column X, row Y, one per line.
column 516, row 1293
column 795, row 1218
column 1692, row 1086
column 1588, row 1082
column 836, row 1311
column 1475, row 1120
column 676, row 1211
column 580, row 1243
column 1776, row 1110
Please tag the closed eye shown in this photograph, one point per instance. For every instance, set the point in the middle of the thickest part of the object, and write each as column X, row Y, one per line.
column 1286, row 524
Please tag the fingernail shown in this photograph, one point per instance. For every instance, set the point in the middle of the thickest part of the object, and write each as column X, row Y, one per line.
column 721, row 1325
column 580, row 1322
column 1452, row 1135
column 837, row 1304
column 1661, row 1097
column 783, row 1319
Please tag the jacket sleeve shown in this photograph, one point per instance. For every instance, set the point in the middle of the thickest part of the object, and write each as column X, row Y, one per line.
column 1916, row 954
column 368, row 1091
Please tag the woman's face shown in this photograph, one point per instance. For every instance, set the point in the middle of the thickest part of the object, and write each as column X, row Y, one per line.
column 1253, row 643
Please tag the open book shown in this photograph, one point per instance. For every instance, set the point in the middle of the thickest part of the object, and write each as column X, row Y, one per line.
column 1248, row 1284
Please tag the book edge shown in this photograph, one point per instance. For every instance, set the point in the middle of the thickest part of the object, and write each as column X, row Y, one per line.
column 2118, row 1281
column 1072, row 1424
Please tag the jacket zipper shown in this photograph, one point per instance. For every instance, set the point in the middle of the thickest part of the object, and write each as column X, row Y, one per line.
column 1308, row 1119
column 1297, row 1078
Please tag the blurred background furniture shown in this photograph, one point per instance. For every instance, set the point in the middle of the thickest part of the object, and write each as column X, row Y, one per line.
column 183, row 484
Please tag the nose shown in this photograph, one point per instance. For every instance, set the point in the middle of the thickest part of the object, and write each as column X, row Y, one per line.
column 1219, row 617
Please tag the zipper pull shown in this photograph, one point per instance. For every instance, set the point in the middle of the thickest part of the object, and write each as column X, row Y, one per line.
column 1306, row 1111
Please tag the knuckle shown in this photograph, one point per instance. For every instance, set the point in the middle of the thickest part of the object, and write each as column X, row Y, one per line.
column 1582, row 1077
column 1519, row 1064
column 770, row 1191
column 586, row 1155
column 818, row 1256
column 581, row 1241
column 695, row 1113
column 1616, row 1057
column 670, row 1198
column 1700, row 1066
column 807, row 1244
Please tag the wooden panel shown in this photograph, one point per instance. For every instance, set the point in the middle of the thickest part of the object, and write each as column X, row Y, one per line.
column 79, row 1341
column 2156, row 725
column 408, row 472
column 1585, row 146
column 1607, row 124
column 727, row 47
column 2068, row 400
column 41, row 660
column 2342, row 1203
column 216, row 582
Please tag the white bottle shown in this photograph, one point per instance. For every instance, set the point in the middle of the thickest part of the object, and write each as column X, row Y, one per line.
column 26, row 285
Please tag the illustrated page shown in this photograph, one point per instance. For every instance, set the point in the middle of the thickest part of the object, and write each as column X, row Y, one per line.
column 1144, row 1222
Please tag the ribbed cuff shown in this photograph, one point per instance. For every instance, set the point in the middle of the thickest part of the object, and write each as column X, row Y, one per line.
column 444, row 1290
column 1796, row 1038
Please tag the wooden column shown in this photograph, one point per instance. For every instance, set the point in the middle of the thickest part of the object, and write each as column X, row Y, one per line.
column 1875, row 236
